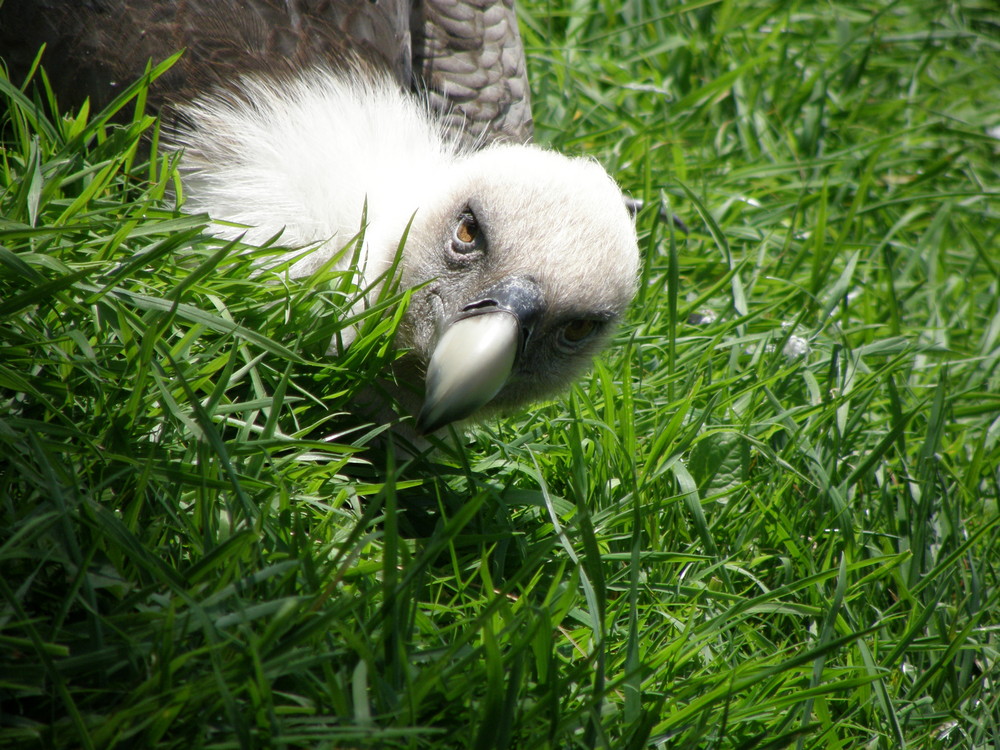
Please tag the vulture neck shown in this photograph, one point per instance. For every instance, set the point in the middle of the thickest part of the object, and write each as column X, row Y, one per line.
column 308, row 157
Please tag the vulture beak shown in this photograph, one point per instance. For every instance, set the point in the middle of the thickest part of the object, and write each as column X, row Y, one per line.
column 477, row 352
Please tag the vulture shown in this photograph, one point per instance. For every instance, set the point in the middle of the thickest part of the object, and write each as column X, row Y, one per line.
column 305, row 118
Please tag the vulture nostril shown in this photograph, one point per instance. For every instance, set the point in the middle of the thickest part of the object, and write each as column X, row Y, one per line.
column 480, row 305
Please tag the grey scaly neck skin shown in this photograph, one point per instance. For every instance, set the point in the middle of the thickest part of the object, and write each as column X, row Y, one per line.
column 522, row 259
column 452, row 40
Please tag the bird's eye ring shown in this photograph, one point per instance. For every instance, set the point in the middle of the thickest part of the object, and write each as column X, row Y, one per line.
column 466, row 238
column 577, row 331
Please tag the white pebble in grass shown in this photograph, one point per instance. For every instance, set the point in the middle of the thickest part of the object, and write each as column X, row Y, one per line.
column 703, row 317
column 796, row 347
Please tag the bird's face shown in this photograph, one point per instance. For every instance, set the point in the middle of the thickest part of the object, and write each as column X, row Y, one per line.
column 527, row 259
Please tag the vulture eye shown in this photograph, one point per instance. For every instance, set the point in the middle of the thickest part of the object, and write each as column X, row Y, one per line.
column 466, row 237
column 577, row 331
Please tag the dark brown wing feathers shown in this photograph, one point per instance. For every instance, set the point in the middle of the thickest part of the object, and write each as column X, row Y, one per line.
column 465, row 53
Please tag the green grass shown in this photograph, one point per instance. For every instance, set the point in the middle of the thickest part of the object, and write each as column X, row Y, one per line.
column 709, row 543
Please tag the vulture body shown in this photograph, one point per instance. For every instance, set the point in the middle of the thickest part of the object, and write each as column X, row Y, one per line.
column 302, row 116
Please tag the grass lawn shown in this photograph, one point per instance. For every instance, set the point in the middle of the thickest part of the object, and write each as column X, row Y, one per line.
column 768, row 517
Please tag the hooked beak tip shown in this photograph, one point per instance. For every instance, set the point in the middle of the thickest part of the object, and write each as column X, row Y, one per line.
column 469, row 366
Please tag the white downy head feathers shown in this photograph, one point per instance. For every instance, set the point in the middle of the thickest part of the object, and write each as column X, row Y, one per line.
column 509, row 222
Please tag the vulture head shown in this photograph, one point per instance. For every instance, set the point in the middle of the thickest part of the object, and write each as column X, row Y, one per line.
column 300, row 118
column 525, row 260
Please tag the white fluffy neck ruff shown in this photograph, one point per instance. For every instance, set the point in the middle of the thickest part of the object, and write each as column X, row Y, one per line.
column 302, row 157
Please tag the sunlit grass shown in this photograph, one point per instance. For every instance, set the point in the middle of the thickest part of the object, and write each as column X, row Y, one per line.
column 768, row 517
